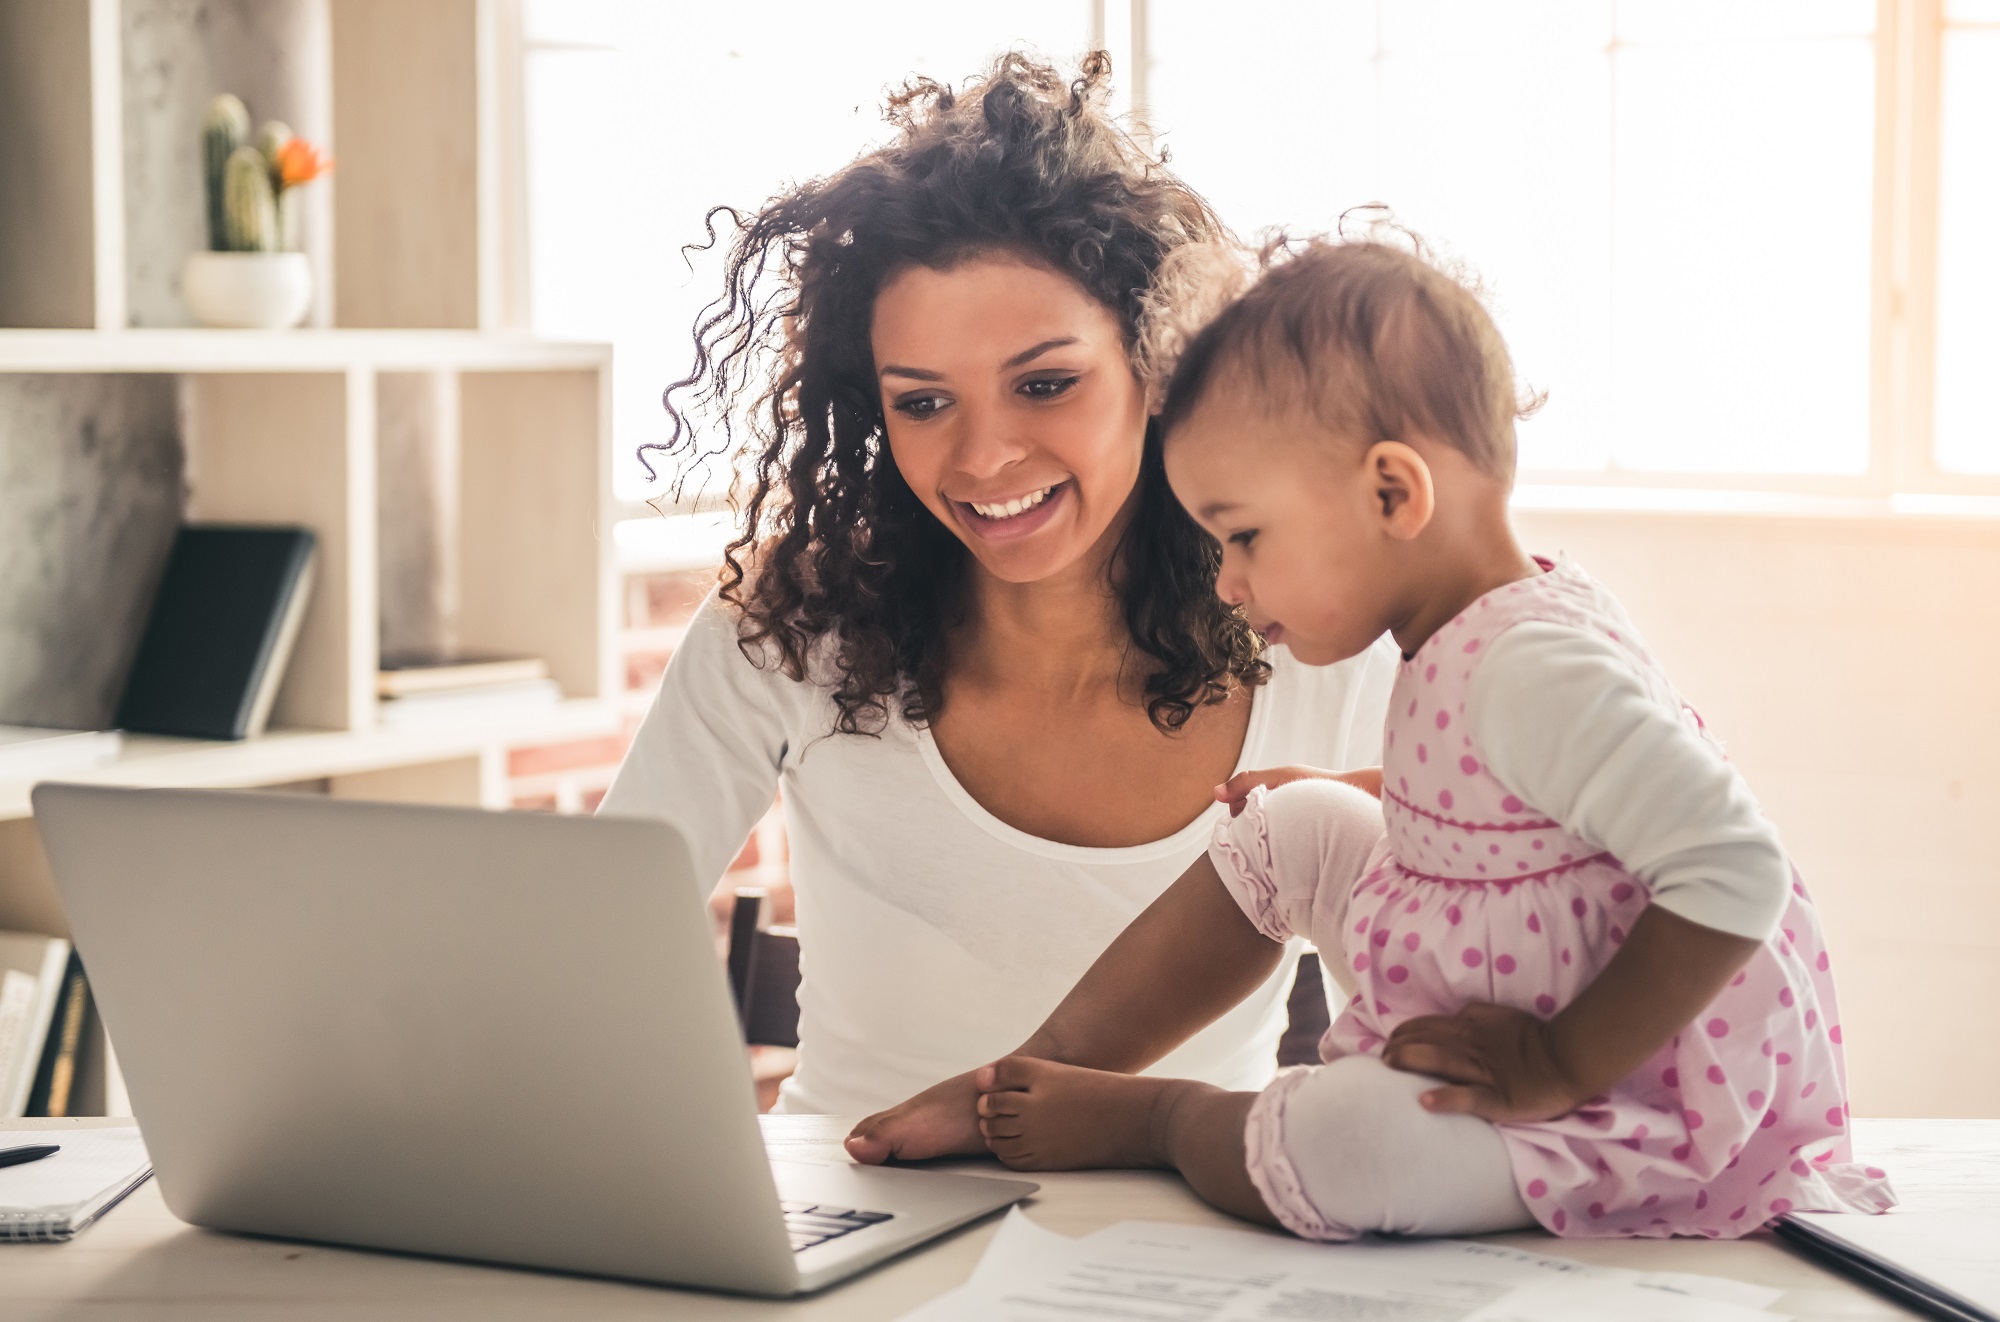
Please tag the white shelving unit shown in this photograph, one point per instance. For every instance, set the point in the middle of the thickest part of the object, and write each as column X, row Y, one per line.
column 288, row 427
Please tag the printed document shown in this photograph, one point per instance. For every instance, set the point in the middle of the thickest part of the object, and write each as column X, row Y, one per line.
column 1145, row 1272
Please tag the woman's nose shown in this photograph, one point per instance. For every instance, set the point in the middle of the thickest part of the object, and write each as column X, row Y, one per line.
column 987, row 445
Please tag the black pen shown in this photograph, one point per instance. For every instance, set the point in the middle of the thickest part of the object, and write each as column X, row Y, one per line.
column 32, row 1152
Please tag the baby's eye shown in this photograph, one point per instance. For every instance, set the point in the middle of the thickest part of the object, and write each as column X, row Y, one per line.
column 1244, row 538
column 919, row 407
column 1047, row 387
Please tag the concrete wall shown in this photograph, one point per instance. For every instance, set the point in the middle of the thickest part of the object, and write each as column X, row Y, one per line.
column 1852, row 666
column 90, row 495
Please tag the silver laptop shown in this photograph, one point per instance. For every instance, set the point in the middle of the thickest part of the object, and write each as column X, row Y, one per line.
column 496, row 1036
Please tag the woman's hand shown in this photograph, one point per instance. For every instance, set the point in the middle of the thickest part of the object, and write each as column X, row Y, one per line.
column 1497, row 1063
column 940, row 1121
column 1236, row 790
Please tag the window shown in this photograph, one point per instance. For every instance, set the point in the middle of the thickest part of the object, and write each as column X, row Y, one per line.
column 1968, row 271
column 641, row 116
column 1668, row 202
column 1740, row 243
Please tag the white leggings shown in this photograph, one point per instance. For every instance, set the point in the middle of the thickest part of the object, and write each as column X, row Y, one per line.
column 1345, row 1148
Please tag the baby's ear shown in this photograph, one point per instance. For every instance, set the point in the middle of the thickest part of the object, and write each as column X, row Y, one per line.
column 1403, row 492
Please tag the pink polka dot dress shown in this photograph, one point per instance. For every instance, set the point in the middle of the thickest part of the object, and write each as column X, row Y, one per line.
column 1474, row 895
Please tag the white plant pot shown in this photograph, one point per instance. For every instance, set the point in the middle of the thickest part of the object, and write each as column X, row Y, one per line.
column 251, row 290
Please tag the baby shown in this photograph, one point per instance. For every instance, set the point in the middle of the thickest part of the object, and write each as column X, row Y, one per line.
column 1588, row 989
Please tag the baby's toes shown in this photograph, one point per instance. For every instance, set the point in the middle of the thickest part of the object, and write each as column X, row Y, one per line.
column 1015, row 1073
column 1014, row 1153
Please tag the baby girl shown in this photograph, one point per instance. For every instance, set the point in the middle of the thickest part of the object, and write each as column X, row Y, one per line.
column 1587, row 987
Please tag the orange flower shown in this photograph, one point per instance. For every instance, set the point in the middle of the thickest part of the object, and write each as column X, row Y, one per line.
column 299, row 162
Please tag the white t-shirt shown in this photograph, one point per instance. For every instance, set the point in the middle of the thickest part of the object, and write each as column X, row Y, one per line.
column 933, row 936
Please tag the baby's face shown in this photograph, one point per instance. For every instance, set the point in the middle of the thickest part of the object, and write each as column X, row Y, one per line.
column 1303, row 549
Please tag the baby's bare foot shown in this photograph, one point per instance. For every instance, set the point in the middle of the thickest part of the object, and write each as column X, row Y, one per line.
column 937, row 1122
column 1040, row 1116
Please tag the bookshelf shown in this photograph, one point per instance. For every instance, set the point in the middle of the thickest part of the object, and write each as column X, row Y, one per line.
column 411, row 342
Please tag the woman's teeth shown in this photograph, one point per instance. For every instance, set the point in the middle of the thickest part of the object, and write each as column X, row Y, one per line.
column 1018, row 505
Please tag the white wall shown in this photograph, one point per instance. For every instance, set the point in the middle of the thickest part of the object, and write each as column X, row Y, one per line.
column 1852, row 666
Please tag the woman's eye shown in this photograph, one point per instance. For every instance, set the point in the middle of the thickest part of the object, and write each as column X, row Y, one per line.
column 920, row 406
column 1244, row 538
column 1048, row 387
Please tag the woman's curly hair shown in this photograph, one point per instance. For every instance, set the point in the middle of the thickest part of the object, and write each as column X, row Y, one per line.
column 837, row 552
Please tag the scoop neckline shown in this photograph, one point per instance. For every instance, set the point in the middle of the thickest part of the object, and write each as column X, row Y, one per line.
column 1179, row 842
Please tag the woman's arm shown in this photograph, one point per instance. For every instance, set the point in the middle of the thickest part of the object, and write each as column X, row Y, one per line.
column 707, row 757
column 1180, row 965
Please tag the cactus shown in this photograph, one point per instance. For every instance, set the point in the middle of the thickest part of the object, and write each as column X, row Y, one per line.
column 271, row 140
column 224, row 128
column 250, row 183
column 250, row 213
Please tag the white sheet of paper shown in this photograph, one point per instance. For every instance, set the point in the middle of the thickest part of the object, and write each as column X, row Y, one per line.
column 1145, row 1272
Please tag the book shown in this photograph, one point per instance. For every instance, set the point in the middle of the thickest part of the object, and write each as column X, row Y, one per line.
column 221, row 630
column 56, row 1073
column 33, row 971
column 52, row 1199
column 29, row 752
column 406, row 673
column 468, row 705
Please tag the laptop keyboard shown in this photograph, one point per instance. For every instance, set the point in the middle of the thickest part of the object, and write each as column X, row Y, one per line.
column 816, row 1223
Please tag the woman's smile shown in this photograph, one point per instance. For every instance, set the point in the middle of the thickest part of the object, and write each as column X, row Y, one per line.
column 1004, row 520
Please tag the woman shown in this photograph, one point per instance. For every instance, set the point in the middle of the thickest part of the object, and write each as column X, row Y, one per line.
column 967, row 630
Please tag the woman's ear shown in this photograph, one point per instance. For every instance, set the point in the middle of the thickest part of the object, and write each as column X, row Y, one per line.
column 1403, row 492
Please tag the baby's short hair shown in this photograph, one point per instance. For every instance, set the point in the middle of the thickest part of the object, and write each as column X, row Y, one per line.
column 1375, row 341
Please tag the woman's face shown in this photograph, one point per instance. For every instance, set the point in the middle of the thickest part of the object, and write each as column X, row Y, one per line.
column 1012, row 410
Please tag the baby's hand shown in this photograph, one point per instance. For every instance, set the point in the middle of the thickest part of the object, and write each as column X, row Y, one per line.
column 1236, row 790
column 1497, row 1062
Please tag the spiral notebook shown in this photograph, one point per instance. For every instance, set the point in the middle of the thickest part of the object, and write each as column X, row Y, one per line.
column 52, row 1199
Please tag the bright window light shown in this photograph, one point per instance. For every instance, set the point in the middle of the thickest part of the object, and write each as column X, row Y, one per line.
column 641, row 116
column 1667, row 201
column 1967, row 424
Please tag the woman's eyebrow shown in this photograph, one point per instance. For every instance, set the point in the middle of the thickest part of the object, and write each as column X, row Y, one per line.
column 1029, row 355
column 1025, row 356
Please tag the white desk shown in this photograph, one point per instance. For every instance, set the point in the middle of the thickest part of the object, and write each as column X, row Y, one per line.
column 139, row 1262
